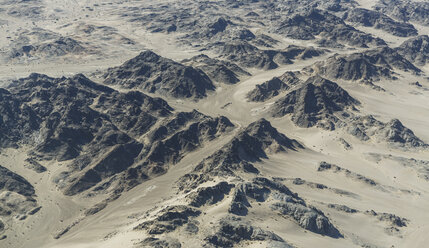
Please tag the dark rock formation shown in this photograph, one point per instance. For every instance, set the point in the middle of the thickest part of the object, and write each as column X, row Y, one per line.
column 392, row 219
column 232, row 230
column 416, row 49
column 393, row 132
column 369, row 65
column 342, row 208
column 56, row 48
column 324, row 166
column 308, row 24
column 98, row 127
column 370, row 18
column 17, row 194
column 273, row 87
column 209, row 195
column 218, row 70
column 283, row 200
column 314, row 104
column 169, row 219
column 10, row 181
column 250, row 56
column 159, row 243
column 32, row 164
column 405, row 10
column 183, row 133
column 155, row 74
column 250, row 145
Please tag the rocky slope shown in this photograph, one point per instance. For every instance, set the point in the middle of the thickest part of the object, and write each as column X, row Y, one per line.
column 369, row 18
column 273, row 87
column 316, row 103
column 155, row 74
column 368, row 65
column 218, row 70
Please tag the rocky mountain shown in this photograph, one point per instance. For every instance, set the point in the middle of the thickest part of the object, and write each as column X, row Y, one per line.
column 273, row 87
column 368, row 65
column 315, row 103
column 155, row 74
column 394, row 132
column 370, row 18
column 415, row 49
column 332, row 29
column 250, row 56
column 218, row 70
column 405, row 10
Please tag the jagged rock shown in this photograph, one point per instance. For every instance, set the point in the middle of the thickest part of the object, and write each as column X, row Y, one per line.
column 393, row 132
column 232, row 231
column 59, row 47
column 250, row 145
column 248, row 55
column 169, row 219
column 61, row 116
column 390, row 218
column 10, row 181
column 370, row 18
column 345, row 144
column 217, row 70
column 239, row 203
column 314, row 103
column 405, row 10
column 308, row 218
column 155, row 74
column 159, row 243
column 209, row 195
column 324, row 166
column 308, row 24
column 181, row 134
column 16, row 194
column 342, row 208
column 416, row 49
column 273, row 87
column 263, row 190
column 369, row 65
column 34, row 165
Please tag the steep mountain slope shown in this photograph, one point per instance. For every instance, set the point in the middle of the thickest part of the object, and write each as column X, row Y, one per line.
column 155, row 74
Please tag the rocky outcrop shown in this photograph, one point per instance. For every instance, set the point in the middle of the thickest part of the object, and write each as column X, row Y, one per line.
column 324, row 166
column 369, row 65
column 159, row 243
column 252, row 144
column 415, row 49
column 56, row 48
column 182, row 133
column 232, row 230
column 393, row 132
column 209, row 195
column 250, row 56
column 273, row 87
column 155, row 74
column 308, row 24
column 100, row 130
column 17, row 195
column 370, row 18
column 169, row 219
column 392, row 219
column 314, row 104
column 218, row 70
column 405, row 10
column 284, row 201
